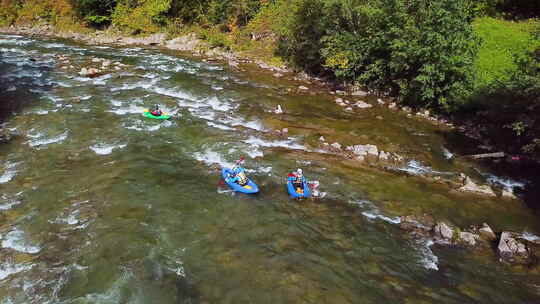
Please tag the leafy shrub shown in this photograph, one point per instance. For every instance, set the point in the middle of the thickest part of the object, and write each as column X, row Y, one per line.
column 142, row 16
column 96, row 12
column 411, row 48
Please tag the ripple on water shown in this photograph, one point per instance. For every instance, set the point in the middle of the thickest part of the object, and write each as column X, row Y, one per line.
column 8, row 269
column 16, row 241
column 40, row 140
column 105, row 149
column 9, row 172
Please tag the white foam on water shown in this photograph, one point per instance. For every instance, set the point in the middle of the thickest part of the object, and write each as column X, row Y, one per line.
column 8, row 202
column 11, row 89
column 210, row 157
column 530, row 236
column 375, row 215
column 83, row 98
column 507, row 183
column 105, row 149
column 16, row 241
column 131, row 109
column 219, row 126
column 53, row 45
column 447, row 154
column 9, row 172
column 41, row 141
column 429, row 259
column 414, row 167
column 7, row 269
column 288, row 143
column 173, row 93
column 218, row 105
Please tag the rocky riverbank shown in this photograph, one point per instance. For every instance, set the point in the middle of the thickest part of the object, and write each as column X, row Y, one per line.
column 509, row 247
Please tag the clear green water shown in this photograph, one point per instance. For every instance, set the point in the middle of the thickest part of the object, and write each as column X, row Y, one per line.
column 100, row 205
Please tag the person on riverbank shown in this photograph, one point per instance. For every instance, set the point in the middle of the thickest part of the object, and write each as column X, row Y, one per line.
column 156, row 111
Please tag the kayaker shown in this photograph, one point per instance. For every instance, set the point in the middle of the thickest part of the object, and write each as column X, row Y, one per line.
column 156, row 111
column 238, row 173
column 297, row 178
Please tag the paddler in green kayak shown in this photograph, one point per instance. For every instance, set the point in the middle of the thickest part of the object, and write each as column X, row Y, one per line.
column 156, row 111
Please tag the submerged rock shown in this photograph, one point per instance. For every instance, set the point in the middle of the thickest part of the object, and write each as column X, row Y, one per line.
column 512, row 250
column 91, row 72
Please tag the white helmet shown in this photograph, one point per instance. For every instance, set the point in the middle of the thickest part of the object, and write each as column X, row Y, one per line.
column 299, row 171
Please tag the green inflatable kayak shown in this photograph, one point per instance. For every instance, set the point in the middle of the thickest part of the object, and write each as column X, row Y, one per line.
column 162, row 117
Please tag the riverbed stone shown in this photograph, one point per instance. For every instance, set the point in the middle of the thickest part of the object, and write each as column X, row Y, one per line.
column 336, row 146
column 468, row 238
column 443, row 231
column 472, row 187
column 362, row 105
column 512, row 250
column 359, row 93
column 487, row 233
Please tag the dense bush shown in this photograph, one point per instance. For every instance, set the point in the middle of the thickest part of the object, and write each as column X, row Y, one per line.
column 142, row 16
column 409, row 48
column 96, row 12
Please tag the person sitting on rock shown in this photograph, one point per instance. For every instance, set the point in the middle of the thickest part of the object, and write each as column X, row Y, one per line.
column 156, row 111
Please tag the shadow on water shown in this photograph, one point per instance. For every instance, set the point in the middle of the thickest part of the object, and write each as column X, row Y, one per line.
column 522, row 170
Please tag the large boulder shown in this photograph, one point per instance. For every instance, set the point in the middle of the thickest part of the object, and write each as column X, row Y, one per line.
column 443, row 231
column 185, row 43
column 471, row 187
column 510, row 249
column 467, row 238
column 487, row 233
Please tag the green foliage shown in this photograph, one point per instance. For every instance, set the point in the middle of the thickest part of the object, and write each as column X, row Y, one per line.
column 141, row 16
column 502, row 41
column 408, row 47
column 96, row 12
column 302, row 33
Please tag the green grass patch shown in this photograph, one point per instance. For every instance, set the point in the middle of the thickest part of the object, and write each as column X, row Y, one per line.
column 501, row 41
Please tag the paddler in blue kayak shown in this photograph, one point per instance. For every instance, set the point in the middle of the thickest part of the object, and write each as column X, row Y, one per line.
column 156, row 111
column 239, row 173
column 297, row 178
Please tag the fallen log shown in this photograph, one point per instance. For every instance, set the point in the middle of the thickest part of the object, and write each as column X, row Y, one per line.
column 486, row 155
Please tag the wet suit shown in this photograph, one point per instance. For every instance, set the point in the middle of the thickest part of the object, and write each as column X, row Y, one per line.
column 239, row 176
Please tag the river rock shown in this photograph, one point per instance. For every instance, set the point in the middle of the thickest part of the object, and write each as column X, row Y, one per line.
column 359, row 93
column 467, row 238
column 304, row 88
column 362, row 105
column 383, row 156
column 508, row 194
column 91, row 72
column 154, row 39
column 392, row 105
column 380, row 101
column 188, row 42
column 511, row 250
column 443, row 231
column 470, row 186
column 322, row 139
column 106, row 63
column 336, row 146
column 487, row 233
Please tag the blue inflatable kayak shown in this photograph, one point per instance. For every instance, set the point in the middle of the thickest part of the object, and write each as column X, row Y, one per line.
column 303, row 192
column 249, row 188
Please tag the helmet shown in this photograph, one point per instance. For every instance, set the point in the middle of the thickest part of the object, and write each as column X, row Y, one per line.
column 299, row 171
column 156, row 107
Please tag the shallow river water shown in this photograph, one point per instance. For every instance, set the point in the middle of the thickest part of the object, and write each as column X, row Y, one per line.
column 100, row 205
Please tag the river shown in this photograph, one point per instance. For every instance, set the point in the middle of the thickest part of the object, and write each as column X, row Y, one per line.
column 100, row 205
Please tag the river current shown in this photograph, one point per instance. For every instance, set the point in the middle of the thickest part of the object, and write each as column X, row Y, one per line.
column 101, row 205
